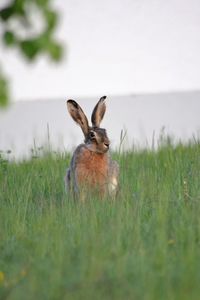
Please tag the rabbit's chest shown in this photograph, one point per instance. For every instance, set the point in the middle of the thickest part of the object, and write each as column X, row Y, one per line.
column 92, row 168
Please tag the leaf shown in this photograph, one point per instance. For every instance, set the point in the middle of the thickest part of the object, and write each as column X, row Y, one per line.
column 16, row 8
column 6, row 13
column 42, row 3
column 19, row 7
column 30, row 48
column 55, row 51
column 9, row 38
column 4, row 96
column 51, row 19
column 33, row 47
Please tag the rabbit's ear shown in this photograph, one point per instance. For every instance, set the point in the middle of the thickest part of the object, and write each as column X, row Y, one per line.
column 98, row 112
column 78, row 115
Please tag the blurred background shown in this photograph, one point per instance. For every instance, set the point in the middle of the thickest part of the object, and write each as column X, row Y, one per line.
column 142, row 54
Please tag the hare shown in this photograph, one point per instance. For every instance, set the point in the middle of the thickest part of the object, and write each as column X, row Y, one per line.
column 91, row 167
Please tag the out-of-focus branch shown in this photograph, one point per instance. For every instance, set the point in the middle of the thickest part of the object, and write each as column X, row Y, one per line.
column 24, row 37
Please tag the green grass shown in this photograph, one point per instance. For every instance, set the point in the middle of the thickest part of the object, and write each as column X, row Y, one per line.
column 144, row 245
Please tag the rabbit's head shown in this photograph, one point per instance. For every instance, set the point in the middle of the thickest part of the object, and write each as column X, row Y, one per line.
column 96, row 138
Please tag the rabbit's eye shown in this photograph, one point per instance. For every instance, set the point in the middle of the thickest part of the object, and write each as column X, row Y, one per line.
column 92, row 134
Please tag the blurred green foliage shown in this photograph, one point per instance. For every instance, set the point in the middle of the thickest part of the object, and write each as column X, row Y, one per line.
column 3, row 90
column 30, row 45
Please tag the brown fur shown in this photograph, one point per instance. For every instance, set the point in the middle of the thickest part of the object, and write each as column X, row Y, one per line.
column 92, row 169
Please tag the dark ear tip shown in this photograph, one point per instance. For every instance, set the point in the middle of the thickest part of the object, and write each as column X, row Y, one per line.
column 70, row 101
column 103, row 98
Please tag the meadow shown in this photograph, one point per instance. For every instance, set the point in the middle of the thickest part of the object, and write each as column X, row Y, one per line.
column 143, row 245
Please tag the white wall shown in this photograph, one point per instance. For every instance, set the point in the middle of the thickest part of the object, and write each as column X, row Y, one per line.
column 142, row 116
column 115, row 47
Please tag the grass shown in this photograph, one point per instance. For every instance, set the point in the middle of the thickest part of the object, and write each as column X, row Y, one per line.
column 145, row 245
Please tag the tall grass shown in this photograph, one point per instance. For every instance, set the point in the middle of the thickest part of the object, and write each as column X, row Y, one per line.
column 144, row 245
